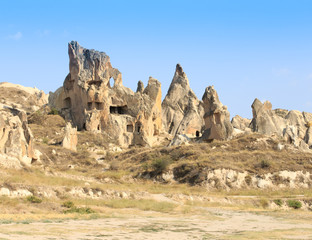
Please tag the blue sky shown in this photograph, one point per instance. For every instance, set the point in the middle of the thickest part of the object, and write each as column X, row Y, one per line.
column 246, row 49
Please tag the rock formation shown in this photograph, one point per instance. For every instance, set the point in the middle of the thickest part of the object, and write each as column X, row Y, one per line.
column 16, row 139
column 292, row 125
column 88, row 99
column 182, row 112
column 217, row 117
column 240, row 123
column 21, row 98
column 70, row 140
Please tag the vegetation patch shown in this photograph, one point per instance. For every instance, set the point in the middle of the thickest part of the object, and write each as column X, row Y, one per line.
column 142, row 204
column 294, row 204
column 278, row 202
column 34, row 199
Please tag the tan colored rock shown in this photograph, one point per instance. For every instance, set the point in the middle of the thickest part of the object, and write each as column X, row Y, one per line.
column 240, row 122
column 21, row 98
column 264, row 120
column 217, row 117
column 90, row 102
column 16, row 140
column 182, row 111
column 70, row 140
column 292, row 125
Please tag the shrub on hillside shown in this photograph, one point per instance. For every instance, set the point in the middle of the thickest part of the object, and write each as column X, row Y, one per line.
column 160, row 165
column 34, row 199
column 278, row 202
column 294, row 204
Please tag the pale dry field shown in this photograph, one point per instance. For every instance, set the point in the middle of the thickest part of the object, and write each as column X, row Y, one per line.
column 207, row 223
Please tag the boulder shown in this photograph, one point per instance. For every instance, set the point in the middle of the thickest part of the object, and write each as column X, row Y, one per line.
column 217, row 117
column 93, row 98
column 70, row 140
column 182, row 112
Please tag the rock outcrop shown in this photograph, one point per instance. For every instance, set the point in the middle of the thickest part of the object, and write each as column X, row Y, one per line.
column 217, row 117
column 88, row 99
column 292, row 125
column 241, row 123
column 16, row 140
column 182, row 112
column 70, row 140
column 21, row 98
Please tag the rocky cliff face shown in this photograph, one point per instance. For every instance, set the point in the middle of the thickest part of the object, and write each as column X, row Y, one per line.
column 182, row 112
column 292, row 125
column 16, row 140
column 88, row 99
column 217, row 117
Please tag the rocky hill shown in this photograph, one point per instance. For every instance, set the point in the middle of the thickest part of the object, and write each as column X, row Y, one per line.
column 90, row 133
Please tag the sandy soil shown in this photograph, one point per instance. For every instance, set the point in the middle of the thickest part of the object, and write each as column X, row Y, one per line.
column 210, row 224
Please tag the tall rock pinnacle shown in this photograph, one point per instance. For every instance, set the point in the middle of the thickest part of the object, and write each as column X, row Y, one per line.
column 182, row 112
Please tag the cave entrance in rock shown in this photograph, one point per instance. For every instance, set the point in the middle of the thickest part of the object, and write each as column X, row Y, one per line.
column 129, row 128
column 118, row 109
column 138, row 127
column 67, row 102
column 99, row 105
column 89, row 105
column 171, row 127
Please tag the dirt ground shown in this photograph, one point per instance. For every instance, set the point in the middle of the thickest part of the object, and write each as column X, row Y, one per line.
column 211, row 223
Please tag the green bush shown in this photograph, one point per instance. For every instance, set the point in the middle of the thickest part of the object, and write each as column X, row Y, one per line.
column 160, row 165
column 248, row 180
column 68, row 204
column 83, row 210
column 294, row 204
column 34, row 199
column 54, row 111
column 265, row 164
column 278, row 202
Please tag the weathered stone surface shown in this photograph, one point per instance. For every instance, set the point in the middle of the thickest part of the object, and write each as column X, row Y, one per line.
column 140, row 87
column 16, row 140
column 240, row 122
column 182, row 111
column 308, row 136
column 21, row 98
column 70, row 140
column 180, row 139
column 292, row 125
column 264, row 120
column 217, row 117
column 90, row 102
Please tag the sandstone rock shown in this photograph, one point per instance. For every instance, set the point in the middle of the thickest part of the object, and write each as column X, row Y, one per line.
column 70, row 140
column 182, row 111
column 21, row 98
column 240, row 123
column 140, row 87
column 16, row 140
column 308, row 136
column 88, row 99
column 264, row 120
column 217, row 117
column 292, row 125
column 180, row 139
